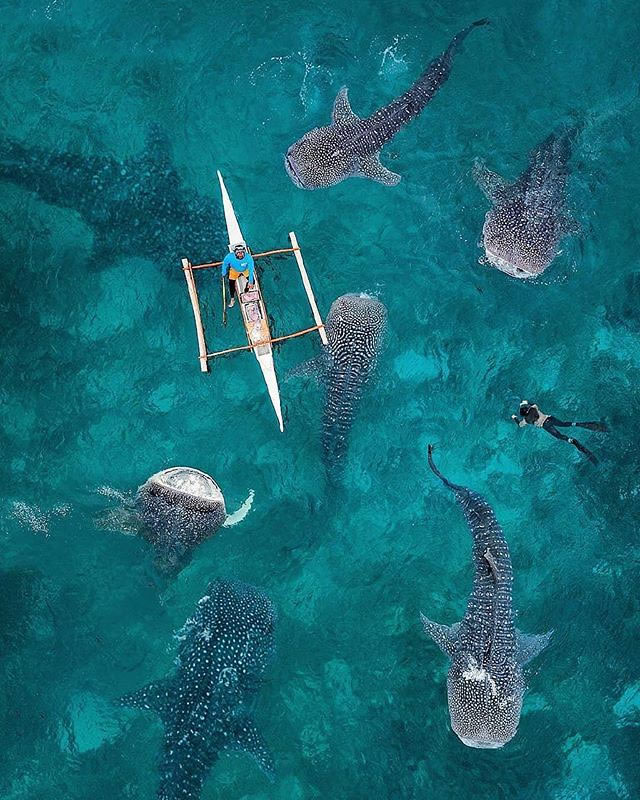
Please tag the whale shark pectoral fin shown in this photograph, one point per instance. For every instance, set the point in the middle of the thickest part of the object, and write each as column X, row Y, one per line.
column 370, row 167
column 445, row 636
column 313, row 368
column 119, row 520
column 492, row 185
column 530, row 645
column 157, row 696
column 342, row 113
column 569, row 226
column 247, row 738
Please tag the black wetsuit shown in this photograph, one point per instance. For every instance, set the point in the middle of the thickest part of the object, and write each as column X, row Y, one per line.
column 533, row 416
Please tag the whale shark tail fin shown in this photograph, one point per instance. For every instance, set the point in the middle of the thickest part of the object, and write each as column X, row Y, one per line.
column 437, row 472
column 478, row 23
column 459, row 38
column 570, row 130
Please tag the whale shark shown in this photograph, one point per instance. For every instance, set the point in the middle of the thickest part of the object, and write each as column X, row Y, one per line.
column 205, row 706
column 528, row 218
column 355, row 327
column 137, row 206
column 175, row 509
column 350, row 146
column 179, row 508
column 485, row 685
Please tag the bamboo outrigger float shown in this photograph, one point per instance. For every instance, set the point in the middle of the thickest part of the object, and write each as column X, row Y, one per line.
column 252, row 307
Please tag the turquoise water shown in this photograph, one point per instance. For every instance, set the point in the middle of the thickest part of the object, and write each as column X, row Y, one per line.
column 100, row 388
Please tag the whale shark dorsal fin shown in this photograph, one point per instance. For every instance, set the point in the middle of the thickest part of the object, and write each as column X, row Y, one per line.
column 530, row 645
column 445, row 636
column 492, row 185
column 157, row 696
column 370, row 167
column 490, row 559
column 342, row 113
column 246, row 737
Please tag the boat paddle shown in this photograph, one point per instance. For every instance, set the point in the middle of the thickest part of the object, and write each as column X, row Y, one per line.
column 224, row 302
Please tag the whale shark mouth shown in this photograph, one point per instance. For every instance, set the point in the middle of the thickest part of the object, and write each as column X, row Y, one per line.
column 481, row 744
column 190, row 481
column 293, row 173
column 504, row 265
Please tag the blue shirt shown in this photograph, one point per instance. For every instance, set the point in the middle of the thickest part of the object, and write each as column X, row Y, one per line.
column 230, row 260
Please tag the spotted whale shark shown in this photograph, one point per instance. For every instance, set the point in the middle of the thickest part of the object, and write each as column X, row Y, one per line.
column 355, row 327
column 528, row 218
column 205, row 707
column 179, row 508
column 485, row 685
column 175, row 510
column 136, row 206
column 350, row 146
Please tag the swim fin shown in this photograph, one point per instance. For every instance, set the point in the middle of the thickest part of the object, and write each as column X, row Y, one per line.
column 593, row 426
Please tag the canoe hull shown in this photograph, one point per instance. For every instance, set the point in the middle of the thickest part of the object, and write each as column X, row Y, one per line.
column 253, row 310
column 256, row 323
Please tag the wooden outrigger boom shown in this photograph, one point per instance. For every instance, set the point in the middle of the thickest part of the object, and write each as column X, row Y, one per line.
column 271, row 341
column 193, row 294
column 279, row 251
column 252, row 307
column 307, row 287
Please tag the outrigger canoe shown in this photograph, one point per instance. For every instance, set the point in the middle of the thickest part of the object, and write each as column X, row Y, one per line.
column 252, row 307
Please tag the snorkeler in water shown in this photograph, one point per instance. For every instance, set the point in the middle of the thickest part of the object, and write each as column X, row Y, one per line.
column 531, row 415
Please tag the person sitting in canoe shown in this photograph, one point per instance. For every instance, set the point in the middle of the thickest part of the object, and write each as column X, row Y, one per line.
column 238, row 263
column 531, row 415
